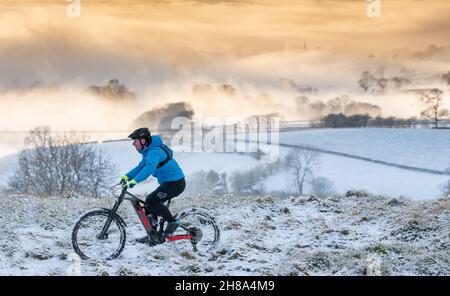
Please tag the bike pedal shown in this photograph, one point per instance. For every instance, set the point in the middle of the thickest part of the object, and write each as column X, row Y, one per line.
column 156, row 237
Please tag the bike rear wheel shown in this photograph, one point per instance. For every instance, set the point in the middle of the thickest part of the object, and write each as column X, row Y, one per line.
column 85, row 235
column 202, row 229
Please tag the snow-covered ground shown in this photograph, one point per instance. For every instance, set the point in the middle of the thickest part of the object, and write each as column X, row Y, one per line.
column 345, row 173
column 424, row 148
column 352, row 174
column 263, row 235
column 339, row 235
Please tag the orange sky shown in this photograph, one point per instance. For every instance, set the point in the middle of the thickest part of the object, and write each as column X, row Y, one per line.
column 159, row 47
column 186, row 31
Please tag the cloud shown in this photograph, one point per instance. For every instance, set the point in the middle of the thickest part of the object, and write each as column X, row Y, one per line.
column 162, row 49
column 175, row 27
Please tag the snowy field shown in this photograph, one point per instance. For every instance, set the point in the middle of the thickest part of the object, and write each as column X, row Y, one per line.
column 352, row 174
column 424, row 148
column 353, row 235
column 346, row 173
column 401, row 228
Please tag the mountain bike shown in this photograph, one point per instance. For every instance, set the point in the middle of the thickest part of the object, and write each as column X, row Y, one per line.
column 100, row 233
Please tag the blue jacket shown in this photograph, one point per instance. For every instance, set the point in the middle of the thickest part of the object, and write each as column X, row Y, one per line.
column 152, row 155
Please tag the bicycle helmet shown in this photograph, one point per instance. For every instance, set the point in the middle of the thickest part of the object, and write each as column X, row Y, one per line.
column 141, row 133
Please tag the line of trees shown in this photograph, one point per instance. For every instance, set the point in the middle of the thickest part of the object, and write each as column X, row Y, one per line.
column 377, row 82
column 363, row 120
column 432, row 99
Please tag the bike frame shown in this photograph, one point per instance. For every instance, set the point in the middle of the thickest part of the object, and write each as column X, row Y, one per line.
column 138, row 205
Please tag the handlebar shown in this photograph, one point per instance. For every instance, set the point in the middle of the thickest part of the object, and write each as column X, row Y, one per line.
column 123, row 191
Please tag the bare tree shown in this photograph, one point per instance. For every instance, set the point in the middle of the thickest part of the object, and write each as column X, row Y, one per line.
column 245, row 181
column 202, row 182
column 366, row 80
column 302, row 104
column 382, row 84
column 433, row 101
column 301, row 162
column 322, row 187
column 338, row 104
column 60, row 165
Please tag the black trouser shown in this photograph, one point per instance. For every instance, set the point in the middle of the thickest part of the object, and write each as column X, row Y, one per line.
column 163, row 193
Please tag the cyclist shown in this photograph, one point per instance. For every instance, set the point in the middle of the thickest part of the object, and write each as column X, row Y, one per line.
column 157, row 161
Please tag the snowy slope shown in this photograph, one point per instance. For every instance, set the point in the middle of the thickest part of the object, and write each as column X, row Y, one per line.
column 352, row 174
column 425, row 148
column 346, row 173
column 260, row 236
column 336, row 235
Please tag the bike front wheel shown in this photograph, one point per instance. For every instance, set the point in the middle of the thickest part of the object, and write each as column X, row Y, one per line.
column 198, row 232
column 87, row 241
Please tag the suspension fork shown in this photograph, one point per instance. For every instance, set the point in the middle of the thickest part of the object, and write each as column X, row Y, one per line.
column 103, row 234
